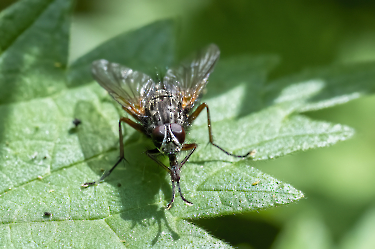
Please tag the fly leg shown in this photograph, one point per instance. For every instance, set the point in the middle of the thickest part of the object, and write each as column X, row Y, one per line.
column 153, row 155
column 196, row 113
column 174, row 170
column 133, row 124
column 192, row 148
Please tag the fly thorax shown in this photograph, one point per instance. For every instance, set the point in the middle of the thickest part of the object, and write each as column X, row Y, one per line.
column 163, row 108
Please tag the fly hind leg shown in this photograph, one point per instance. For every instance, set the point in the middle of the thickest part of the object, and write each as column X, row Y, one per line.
column 133, row 124
column 196, row 113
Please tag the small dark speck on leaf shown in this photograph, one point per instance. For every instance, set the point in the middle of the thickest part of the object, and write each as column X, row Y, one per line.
column 77, row 122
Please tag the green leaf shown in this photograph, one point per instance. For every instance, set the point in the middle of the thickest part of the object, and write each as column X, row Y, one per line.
column 32, row 47
column 44, row 158
column 333, row 85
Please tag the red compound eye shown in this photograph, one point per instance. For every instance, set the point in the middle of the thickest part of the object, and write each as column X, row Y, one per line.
column 179, row 132
column 158, row 134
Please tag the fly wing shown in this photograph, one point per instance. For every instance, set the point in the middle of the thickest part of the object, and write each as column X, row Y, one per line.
column 191, row 77
column 128, row 87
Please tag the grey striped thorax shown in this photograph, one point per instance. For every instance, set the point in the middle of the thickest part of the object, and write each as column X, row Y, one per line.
column 162, row 107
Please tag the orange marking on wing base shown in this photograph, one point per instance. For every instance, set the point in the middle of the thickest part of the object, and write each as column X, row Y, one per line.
column 188, row 101
column 134, row 112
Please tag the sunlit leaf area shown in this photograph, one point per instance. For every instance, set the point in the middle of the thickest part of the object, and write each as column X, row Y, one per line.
column 294, row 82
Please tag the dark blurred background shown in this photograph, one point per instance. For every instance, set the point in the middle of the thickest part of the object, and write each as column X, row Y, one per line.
column 339, row 208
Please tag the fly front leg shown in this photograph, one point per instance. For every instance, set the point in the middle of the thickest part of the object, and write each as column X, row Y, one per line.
column 169, row 205
column 192, row 148
column 133, row 124
column 153, row 155
column 196, row 113
column 175, row 172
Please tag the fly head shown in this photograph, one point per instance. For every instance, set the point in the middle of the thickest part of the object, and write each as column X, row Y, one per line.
column 169, row 138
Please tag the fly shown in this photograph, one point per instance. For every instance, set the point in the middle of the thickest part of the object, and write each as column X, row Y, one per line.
column 162, row 110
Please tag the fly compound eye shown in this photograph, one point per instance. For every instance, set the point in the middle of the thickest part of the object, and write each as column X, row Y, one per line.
column 158, row 134
column 179, row 132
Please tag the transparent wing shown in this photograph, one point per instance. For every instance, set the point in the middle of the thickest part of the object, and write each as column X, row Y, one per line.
column 190, row 78
column 128, row 87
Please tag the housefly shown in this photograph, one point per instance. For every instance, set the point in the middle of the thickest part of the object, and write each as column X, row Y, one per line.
column 162, row 110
